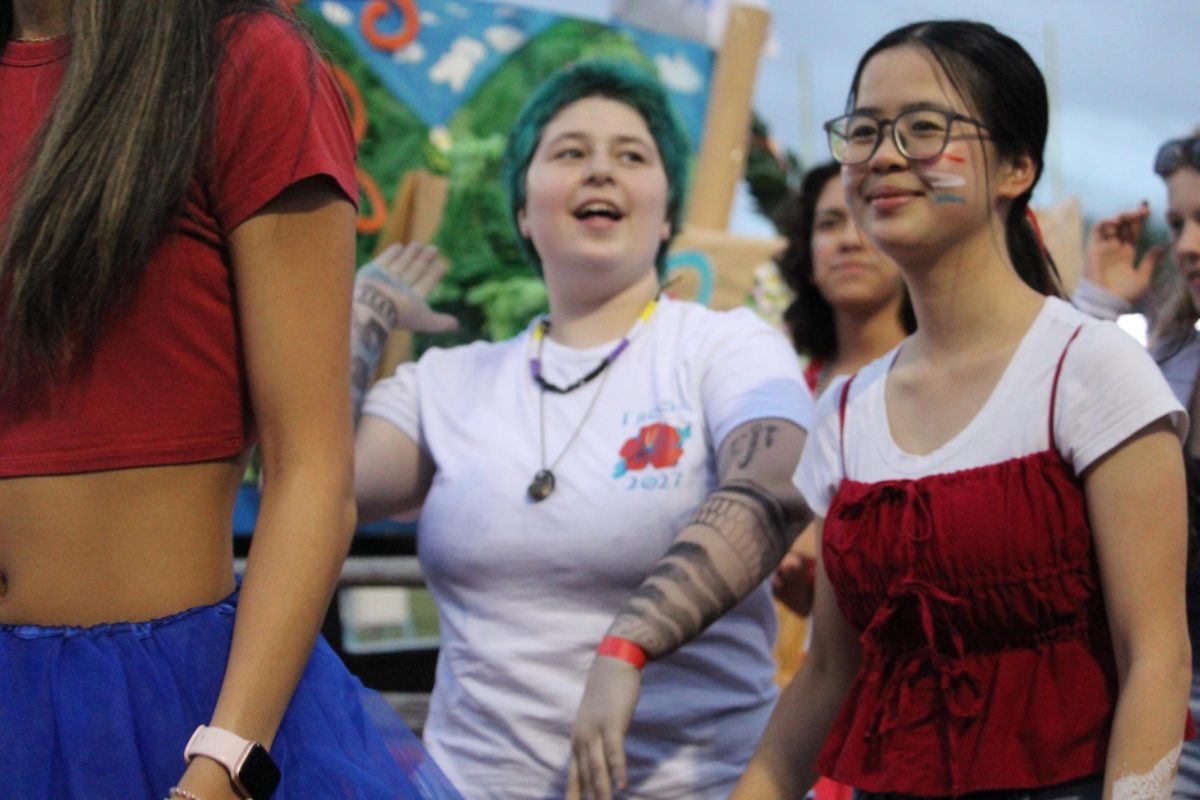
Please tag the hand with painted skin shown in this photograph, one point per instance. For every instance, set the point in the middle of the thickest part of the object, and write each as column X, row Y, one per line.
column 390, row 294
column 1110, row 255
column 597, row 770
column 406, row 274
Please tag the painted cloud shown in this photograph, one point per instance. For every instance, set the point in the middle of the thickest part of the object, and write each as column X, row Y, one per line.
column 336, row 13
column 412, row 54
column 455, row 67
column 678, row 73
column 504, row 38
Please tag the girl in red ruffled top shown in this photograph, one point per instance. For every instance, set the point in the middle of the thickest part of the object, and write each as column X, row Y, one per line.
column 1000, row 499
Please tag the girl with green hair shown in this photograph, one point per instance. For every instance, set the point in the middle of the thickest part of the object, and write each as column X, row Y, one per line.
column 604, row 492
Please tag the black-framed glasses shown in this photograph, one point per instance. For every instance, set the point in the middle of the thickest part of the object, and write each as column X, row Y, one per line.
column 919, row 134
column 1175, row 153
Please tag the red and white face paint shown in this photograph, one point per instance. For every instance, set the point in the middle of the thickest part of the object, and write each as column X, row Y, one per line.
column 943, row 177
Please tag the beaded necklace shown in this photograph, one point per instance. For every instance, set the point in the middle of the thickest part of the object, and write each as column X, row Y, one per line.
column 539, row 338
column 543, row 481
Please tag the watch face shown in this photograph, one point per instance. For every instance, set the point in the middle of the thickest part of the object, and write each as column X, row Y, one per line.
column 258, row 776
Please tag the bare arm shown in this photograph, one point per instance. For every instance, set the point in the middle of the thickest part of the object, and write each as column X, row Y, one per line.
column 391, row 473
column 293, row 268
column 794, row 580
column 784, row 763
column 1136, row 505
column 734, row 541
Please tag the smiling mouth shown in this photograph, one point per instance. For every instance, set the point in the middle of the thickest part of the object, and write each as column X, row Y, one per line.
column 889, row 194
column 602, row 210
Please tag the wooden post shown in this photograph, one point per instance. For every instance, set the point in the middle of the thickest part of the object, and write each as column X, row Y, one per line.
column 727, row 121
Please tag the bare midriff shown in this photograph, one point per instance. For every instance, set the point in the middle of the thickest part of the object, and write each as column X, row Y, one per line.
column 121, row 545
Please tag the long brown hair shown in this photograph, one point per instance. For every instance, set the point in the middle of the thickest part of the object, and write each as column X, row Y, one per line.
column 107, row 172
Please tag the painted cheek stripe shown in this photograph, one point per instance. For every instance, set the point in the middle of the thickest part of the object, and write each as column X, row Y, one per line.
column 948, row 198
column 944, row 180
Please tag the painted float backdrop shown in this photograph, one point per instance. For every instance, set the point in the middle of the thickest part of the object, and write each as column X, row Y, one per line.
column 436, row 85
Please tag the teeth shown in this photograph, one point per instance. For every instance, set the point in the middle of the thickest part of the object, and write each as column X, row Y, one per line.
column 603, row 209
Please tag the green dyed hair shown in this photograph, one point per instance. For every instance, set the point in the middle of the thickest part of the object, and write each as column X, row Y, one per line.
column 615, row 80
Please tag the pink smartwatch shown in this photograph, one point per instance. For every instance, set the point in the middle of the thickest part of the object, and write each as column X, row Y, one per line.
column 251, row 770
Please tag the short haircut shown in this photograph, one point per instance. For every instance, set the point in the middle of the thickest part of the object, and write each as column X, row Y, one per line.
column 615, row 80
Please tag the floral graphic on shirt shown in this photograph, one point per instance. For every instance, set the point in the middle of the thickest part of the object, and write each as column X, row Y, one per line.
column 658, row 445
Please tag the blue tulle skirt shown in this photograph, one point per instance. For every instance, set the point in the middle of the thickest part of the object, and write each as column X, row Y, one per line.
column 105, row 711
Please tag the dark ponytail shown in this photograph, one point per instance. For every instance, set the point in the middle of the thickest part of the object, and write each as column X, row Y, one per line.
column 1028, row 252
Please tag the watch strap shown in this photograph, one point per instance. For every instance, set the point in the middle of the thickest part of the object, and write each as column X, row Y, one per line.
column 232, row 752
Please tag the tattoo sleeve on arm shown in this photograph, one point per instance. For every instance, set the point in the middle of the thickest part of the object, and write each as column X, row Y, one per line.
column 732, row 543
column 745, row 445
column 373, row 317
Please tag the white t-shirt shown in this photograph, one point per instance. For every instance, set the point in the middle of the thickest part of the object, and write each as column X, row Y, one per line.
column 526, row 591
column 1109, row 389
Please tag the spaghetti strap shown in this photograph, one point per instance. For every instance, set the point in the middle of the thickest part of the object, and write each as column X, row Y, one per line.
column 1054, row 385
column 842, row 420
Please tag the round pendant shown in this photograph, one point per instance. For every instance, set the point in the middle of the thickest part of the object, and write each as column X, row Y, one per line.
column 541, row 486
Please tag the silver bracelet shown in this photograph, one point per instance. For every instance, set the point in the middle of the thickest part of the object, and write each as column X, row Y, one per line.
column 184, row 793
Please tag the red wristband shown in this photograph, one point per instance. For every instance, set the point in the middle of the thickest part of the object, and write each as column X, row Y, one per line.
column 616, row 647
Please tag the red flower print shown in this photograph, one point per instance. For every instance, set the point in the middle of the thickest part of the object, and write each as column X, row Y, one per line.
column 658, row 444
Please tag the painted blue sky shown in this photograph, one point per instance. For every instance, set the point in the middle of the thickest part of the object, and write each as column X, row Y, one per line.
column 462, row 42
column 1124, row 77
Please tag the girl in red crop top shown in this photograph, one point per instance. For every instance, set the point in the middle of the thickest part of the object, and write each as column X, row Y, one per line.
column 177, row 208
column 1000, row 500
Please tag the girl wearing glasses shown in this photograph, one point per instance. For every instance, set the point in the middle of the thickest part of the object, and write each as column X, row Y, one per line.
column 1000, row 500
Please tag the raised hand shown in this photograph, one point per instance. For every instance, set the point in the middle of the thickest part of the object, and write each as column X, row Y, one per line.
column 403, row 275
column 390, row 294
column 1109, row 256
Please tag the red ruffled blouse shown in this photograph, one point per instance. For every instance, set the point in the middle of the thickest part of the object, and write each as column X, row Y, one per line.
column 987, row 662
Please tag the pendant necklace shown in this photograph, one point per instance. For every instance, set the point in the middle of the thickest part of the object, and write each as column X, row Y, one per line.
column 543, row 481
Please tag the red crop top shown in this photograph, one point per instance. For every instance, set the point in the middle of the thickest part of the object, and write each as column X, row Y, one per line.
column 167, row 384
